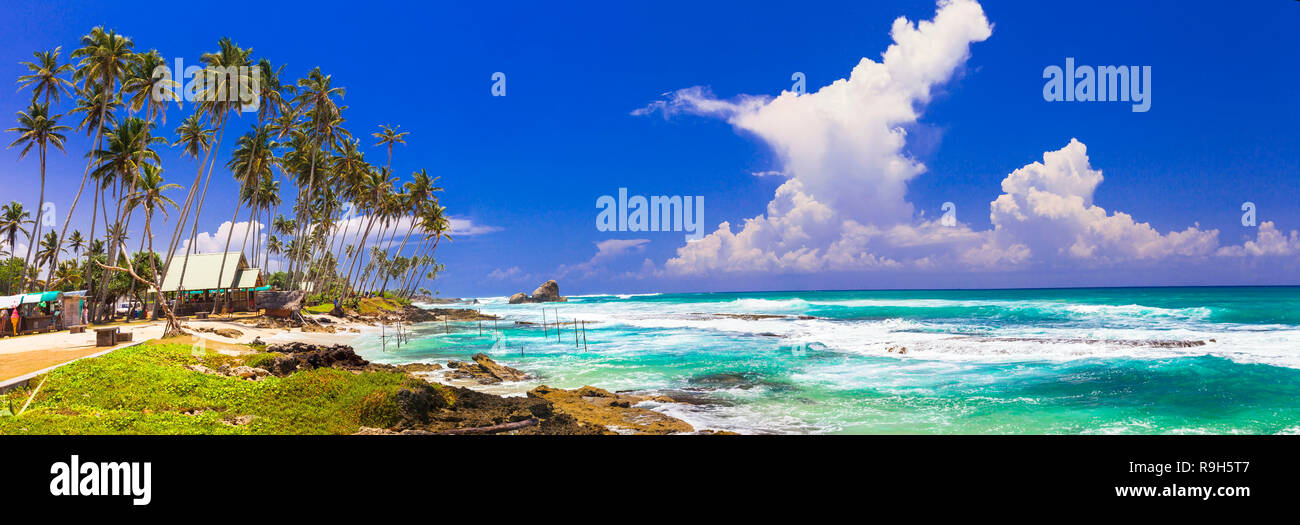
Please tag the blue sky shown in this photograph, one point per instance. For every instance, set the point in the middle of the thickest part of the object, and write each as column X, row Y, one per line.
column 527, row 168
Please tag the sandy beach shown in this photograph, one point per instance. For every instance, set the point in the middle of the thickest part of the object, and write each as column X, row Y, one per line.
column 23, row 355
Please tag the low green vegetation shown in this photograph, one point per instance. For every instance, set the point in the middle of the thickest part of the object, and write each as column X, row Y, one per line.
column 146, row 389
column 322, row 308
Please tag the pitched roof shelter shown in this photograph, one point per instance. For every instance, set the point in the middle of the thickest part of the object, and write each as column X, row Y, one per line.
column 203, row 269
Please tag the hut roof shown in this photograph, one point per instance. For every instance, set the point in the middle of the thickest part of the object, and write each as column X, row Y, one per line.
column 286, row 300
column 248, row 278
column 203, row 269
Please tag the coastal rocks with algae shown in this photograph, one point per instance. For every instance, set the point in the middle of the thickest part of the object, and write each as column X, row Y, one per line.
column 614, row 412
column 445, row 409
column 484, row 370
column 303, row 356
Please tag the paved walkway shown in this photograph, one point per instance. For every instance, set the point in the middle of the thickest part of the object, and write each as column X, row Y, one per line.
column 23, row 355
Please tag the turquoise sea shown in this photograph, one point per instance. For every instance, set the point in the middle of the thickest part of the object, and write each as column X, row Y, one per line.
column 1111, row 360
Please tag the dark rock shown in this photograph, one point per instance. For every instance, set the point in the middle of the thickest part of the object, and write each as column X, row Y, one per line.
column 548, row 292
column 303, row 356
column 485, row 370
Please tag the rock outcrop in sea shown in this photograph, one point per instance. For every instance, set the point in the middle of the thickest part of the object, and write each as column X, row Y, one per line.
column 548, row 292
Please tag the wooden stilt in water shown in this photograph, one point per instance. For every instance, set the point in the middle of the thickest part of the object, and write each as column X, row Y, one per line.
column 584, row 336
column 544, row 331
column 575, row 333
column 480, row 328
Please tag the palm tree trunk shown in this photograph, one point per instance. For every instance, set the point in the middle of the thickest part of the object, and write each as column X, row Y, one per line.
column 356, row 256
column 99, row 136
column 239, row 203
column 399, row 251
column 311, row 187
column 419, row 251
column 198, row 210
column 39, row 214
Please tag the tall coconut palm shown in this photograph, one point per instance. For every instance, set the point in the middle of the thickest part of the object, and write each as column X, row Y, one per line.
column 46, row 78
column 256, row 151
column 103, row 59
column 316, row 99
column 421, row 192
column 376, row 188
column 268, row 197
column 149, row 195
column 437, row 227
column 193, row 137
column 13, row 220
column 251, row 162
column 224, row 76
column 129, row 148
column 349, row 165
column 49, row 248
column 76, row 243
column 388, row 136
column 37, row 128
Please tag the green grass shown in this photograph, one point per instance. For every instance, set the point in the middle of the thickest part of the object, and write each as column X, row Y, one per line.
column 146, row 390
column 374, row 305
column 322, row 308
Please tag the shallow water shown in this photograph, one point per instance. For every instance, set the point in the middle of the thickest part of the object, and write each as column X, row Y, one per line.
column 989, row 361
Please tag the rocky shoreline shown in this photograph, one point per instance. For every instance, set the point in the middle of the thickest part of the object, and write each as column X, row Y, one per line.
column 440, row 408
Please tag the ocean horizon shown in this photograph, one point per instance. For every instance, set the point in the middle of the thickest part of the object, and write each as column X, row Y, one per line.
column 1114, row 360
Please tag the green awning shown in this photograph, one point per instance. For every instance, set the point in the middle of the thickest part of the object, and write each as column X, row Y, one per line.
column 40, row 297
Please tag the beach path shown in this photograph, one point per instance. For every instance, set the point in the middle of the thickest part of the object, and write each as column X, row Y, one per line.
column 23, row 355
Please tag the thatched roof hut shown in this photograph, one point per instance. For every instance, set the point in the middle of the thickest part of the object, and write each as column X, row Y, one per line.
column 281, row 304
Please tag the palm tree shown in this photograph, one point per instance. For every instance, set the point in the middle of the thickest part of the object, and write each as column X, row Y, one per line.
column 148, row 92
column 104, row 57
column 437, row 227
column 12, row 219
column 376, row 186
column 129, row 148
column 388, row 136
column 46, row 78
column 223, row 74
column 37, row 128
column 49, row 248
column 316, row 100
column 268, row 196
column 76, row 243
column 68, row 276
column 193, row 137
column 253, row 159
column 149, row 195
column 419, row 191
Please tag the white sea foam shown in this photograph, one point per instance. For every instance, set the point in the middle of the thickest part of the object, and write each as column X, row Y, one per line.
column 1092, row 331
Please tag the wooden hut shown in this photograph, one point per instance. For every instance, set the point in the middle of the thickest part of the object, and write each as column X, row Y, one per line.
column 281, row 304
column 223, row 279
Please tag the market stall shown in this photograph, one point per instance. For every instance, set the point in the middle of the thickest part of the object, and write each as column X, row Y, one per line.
column 7, row 305
column 38, row 313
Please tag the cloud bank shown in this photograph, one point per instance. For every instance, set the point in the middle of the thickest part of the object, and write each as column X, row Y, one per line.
column 843, row 204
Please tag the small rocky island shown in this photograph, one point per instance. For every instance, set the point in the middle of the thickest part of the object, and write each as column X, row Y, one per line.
column 548, row 292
